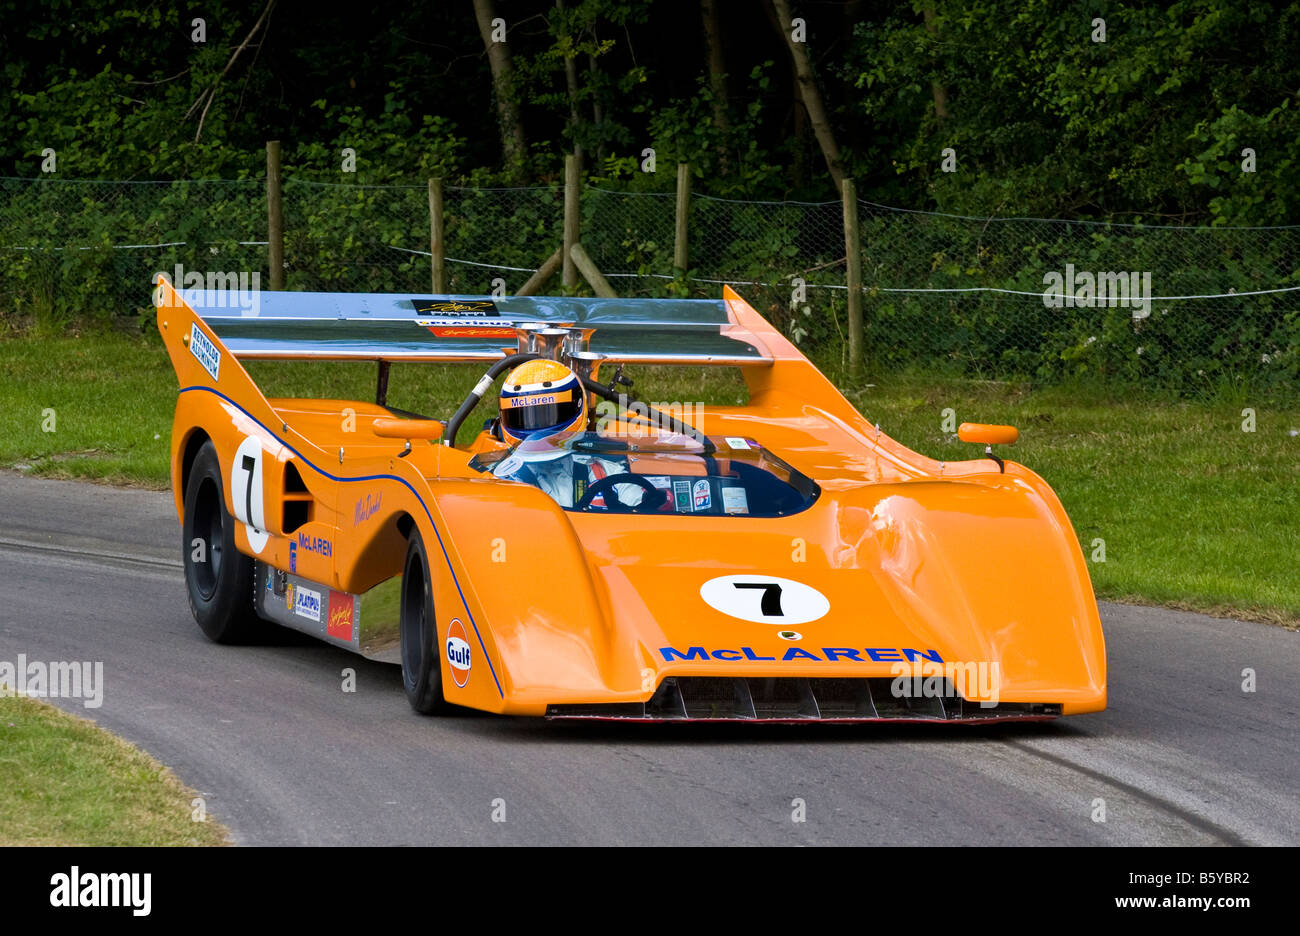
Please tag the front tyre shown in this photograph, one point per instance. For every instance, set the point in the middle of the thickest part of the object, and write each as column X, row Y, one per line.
column 421, row 662
column 218, row 577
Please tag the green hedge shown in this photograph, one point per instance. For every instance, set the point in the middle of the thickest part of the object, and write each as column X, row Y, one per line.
column 82, row 253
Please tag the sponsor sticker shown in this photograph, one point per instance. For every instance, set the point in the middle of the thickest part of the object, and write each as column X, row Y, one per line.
column 340, row 616
column 536, row 399
column 734, row 500
column 812, row 654
column 288, row 596
column 682, row 495
column 737, row 443
column 447, row 322
column 204, row 351
column 293, row 557
column 315, row 544
column 459, row 657
column 468, row 329
column 765, row 599
column 700, row 497
column 306, row 603
column 366, row 507
column 454, row 306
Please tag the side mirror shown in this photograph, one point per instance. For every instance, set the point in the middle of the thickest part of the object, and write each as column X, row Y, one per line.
column 408, row 428
column 990, row 436
column 987, row 434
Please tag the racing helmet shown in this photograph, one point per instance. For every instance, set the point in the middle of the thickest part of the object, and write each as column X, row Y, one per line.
column 542, row 399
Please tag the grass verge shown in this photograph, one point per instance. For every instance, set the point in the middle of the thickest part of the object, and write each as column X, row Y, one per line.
column 69, row 782
column 1194, row 512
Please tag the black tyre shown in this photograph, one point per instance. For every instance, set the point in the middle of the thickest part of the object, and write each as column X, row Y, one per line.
column 218, row 577
column 421, row 661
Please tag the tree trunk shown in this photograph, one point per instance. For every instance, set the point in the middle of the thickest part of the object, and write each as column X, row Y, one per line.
column 799, row 164
column 514, row 146
column 936, row 86
column 808, row 92
column 717, row 76
column 848, row 91
column 571, row 82
column 598, row 115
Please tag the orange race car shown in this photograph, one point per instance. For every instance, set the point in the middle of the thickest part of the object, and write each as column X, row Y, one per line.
column 583, row 555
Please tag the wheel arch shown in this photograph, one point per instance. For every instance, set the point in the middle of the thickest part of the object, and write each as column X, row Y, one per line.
column 381, row 555
column 189, row 449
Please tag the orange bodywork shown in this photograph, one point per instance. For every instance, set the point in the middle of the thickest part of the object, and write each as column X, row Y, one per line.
column 918, row 559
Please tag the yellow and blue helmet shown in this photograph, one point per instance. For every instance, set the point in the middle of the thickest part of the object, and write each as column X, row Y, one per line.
column 542, row 399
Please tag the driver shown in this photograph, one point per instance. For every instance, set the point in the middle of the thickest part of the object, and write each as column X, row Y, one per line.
column 543, row 410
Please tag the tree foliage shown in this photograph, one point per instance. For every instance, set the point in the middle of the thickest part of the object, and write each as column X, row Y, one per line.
column 1179, row 114
column 1044, row 119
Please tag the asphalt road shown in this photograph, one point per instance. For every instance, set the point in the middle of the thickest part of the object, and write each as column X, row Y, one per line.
column 284, row 756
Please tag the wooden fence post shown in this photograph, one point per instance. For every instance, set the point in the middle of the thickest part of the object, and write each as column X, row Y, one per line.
column 680, row 254
column 544, row 273
column 853, row 257
column 587, row 266
column 435, row 237
column 274, row 216
column 571, row 218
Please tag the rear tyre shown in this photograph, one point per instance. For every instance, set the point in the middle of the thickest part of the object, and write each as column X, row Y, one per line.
column 421, row 662
column 218, row 577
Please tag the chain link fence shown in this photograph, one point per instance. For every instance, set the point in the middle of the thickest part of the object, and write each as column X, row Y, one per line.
column 944, row 295
column 1212, row 304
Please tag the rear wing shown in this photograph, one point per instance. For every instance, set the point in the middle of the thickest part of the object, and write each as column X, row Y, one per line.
column 206, row 336
column 396, row 327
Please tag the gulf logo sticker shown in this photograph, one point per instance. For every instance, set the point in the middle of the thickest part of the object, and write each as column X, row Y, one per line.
column 458, row 652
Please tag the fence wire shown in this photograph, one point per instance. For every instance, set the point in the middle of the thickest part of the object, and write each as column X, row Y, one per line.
column 943, row 295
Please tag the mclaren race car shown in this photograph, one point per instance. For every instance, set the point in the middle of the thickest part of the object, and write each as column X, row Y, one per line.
column 781, row 560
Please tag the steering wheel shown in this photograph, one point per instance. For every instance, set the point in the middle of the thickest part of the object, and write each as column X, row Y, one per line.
column 654, row 499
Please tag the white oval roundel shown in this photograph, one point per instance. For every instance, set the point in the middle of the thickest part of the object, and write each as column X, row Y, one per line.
column 765, row 599
column 246, row 492
column 458, row 653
